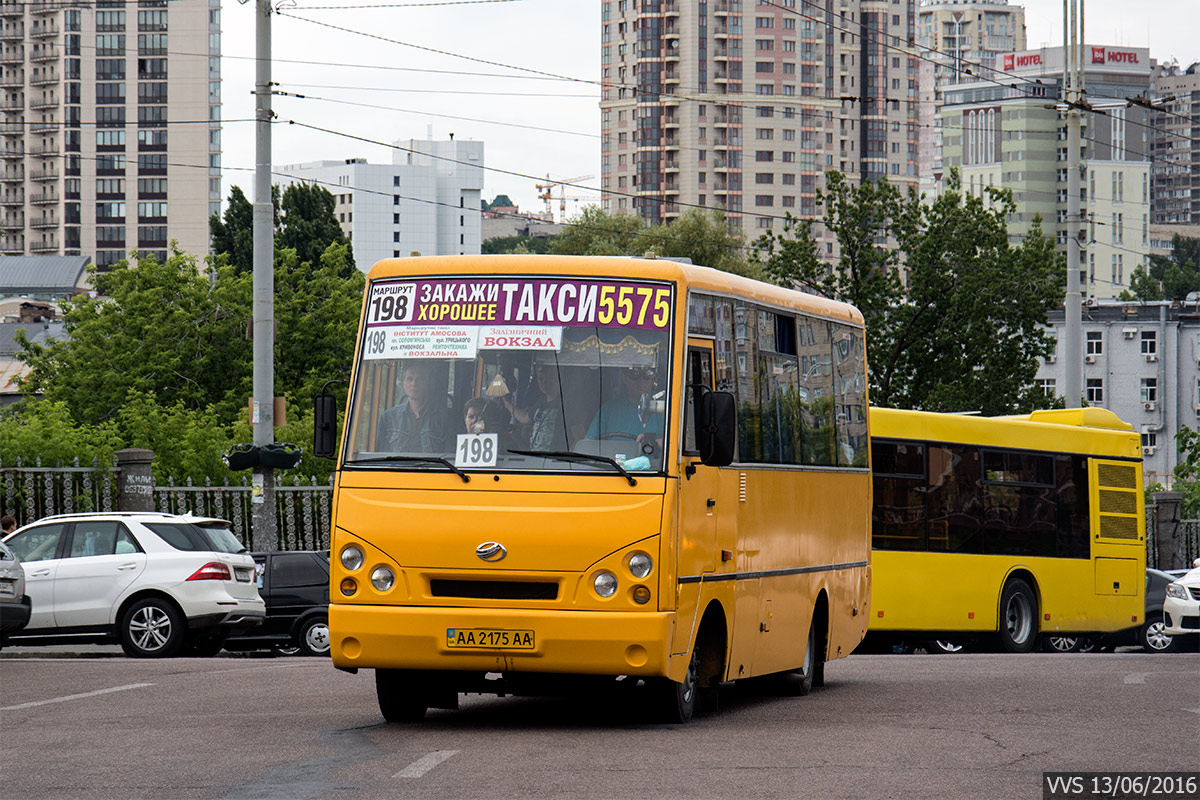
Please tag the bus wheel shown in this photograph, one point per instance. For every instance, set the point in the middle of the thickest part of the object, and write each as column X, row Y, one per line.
column 1061, row 644
column 677, row 701
column 1018, row 617
column 936, row 646
column 398, row 697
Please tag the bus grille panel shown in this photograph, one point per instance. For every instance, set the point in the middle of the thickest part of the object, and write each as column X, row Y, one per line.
column 494, row 590
column 1119, row 528
column 1118, row 476
column 1117, row 502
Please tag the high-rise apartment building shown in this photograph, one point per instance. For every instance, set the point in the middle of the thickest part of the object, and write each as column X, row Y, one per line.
column 110, row 132
column 427, row 200
column 1176, row 119
column 743, row 105
column 959, row 38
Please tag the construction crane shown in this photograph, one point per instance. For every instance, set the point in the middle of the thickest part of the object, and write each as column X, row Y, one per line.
column 546, row 193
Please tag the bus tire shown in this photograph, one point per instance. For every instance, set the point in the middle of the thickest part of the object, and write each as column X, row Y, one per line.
column 1018, row 617
column 677, row 701
column 399, row 698
column 799, row 682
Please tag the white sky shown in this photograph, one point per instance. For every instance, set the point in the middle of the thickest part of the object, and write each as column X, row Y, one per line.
column 561, row 37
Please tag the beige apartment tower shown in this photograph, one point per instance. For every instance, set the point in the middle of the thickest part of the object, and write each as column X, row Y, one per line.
column 110, row 132
column 743, row 105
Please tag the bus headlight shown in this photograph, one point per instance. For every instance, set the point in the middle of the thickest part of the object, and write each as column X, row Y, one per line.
column 383, row 579
column 605, row 584
column 352, row 557
column 640, row 565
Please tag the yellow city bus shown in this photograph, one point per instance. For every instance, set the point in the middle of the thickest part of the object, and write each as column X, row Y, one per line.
column 1015, row 526
column 554, row 467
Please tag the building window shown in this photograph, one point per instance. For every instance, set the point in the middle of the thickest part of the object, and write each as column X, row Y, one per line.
column 1149, row 390
column 1095, row 391
column 1095, row 343
column 1149, row 343
column 1047, row 385
column 1149, row 440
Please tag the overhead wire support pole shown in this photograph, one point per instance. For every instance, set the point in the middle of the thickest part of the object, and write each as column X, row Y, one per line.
column 1073, row 98
column 263, row 536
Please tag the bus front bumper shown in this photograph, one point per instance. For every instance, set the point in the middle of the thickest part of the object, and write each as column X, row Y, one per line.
column 572, row 642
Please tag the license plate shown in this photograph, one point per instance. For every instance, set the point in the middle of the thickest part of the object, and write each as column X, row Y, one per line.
column 490, row 638
column 8, row 589
column 243, row 573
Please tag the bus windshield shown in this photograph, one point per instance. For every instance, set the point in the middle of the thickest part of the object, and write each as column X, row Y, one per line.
column 519, row 374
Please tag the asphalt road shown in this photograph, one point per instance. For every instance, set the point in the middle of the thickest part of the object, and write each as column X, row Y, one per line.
column 916, row 726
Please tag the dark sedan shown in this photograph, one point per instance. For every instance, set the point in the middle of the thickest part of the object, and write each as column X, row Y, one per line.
column 295, row 586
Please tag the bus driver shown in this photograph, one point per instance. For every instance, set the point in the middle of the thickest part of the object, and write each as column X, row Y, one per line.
column 417, row 424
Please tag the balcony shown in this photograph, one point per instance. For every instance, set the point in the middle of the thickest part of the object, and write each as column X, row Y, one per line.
column 45, row 152
column 45, row 54
column 45, row 8
column 45, row 78
column 12, row 152
column 43, row 105
column 44, row 32
column 12, row 33
column 12, row 176
column 13, row 221
column 14, row 199
column 48, row 246
column 44, row 222
column 12, row 105
column 12, row 8
column 44, row 199
column 44, row 175
column 44, row 126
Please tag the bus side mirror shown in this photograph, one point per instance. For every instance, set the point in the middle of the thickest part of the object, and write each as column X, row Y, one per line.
column 716, row 428
column 324, row 425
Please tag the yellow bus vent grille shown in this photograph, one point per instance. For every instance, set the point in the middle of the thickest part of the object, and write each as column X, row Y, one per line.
column 1117, row 502
column 1119, row 528
column 1118, row 476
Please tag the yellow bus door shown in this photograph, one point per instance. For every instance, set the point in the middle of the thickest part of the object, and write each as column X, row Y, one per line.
column 698, row 508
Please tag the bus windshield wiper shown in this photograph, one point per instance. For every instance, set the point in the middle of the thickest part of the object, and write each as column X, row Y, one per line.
column 435, row 459
column 566, row 455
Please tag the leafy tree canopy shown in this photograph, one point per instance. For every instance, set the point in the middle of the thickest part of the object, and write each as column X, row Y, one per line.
column 702, row 237
column 304, row 221
column 517, row 244
column 955, row 315
column 1169, row 277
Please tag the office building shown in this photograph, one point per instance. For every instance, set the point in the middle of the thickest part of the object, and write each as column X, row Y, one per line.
column 958, row 39
column 110, row 133
column 426, row 201
column 1009, row 134
column 1176, row 147
column 743, row 107
column 1142, row 362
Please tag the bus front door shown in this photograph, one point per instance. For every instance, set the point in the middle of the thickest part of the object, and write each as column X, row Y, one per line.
column 699, row 509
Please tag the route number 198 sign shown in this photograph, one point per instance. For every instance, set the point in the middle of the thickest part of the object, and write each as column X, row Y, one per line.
column 475, row 450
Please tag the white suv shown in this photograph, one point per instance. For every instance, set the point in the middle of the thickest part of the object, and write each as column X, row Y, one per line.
column 158, row 583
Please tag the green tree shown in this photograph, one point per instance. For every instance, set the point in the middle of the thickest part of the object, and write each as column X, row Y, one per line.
column 233, row 234
column 955, row 314
column 47, row 431
column 704, row 237
column 1169, row 277
column 1187, row 472
column 595, row 232
column 309, row 225
column 164, row 329
column 501, row 245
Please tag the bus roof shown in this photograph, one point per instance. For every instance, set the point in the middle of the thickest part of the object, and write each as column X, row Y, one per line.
column 1095, row 431
column 692, row 275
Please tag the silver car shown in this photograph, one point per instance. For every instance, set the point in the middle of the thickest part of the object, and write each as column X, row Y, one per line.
column 14, row 603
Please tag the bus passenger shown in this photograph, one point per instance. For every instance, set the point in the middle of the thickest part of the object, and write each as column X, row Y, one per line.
column 418, row 424
column 547, row 431
column 619, row 416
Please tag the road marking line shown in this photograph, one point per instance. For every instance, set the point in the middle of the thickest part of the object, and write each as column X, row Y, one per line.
column 1136, row 677
column 422, row 765
column 79, row 696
